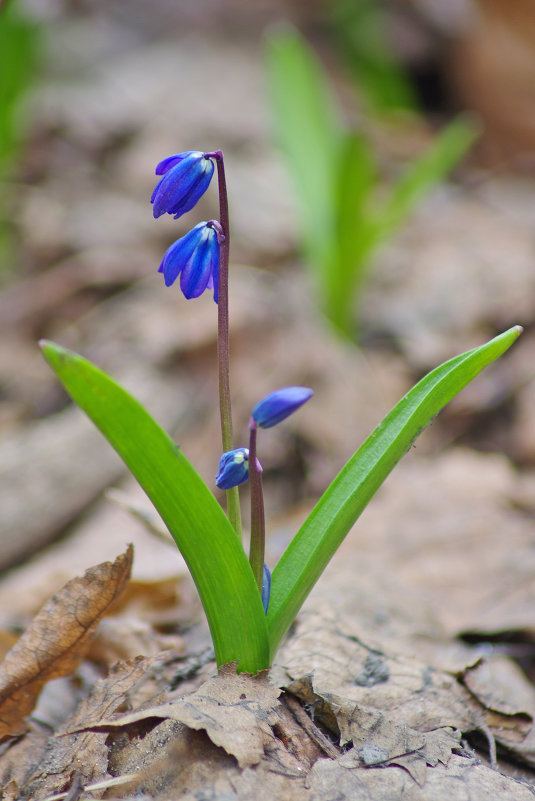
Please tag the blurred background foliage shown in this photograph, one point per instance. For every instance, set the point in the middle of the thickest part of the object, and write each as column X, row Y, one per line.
column 19, row 58
column 347, row 209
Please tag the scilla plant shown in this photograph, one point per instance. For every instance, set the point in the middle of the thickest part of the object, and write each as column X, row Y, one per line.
column 248, row 610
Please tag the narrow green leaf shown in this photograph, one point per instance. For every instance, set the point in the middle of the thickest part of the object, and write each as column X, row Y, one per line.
column 442, row 155
column 341, row 504
column 199, row 526
column 356, row 174
column 309, row 132
column 362, row 30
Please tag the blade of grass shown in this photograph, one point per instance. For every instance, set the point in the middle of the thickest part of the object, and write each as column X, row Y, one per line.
column 341, row 504
column 196, row 521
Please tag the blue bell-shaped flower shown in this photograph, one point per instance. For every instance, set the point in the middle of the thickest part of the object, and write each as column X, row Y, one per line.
column 186, row 177
column 195, row 257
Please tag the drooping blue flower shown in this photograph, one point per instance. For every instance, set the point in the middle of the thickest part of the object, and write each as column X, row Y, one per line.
column 233, row 468
column 195, row 257
column 186, row 177
column 279, row 405
column 266, row 588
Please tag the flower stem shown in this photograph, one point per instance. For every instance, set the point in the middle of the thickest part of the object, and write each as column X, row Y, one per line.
column 233, row 498
column 258, row 526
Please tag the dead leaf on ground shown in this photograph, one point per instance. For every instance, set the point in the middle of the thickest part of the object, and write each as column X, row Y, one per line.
column 464, row 778
column 211, row 738
column 86, row 754
column 394, row 709
column 57, row 639
column 234, row 710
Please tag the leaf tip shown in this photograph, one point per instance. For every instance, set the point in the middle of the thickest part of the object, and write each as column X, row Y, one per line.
column 54, row 352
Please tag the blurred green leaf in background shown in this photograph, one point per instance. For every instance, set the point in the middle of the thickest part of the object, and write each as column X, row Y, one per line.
column 19, row 54
column 361, row 32
column 345, row 211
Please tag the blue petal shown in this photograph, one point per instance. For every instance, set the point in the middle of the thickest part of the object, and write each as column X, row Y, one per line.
column 192, row 195
column 266, row 588
column 197, row 272
column 279, row 405
column 233, row 468
column 179, row 254
column 182, row 185
column 165, row 164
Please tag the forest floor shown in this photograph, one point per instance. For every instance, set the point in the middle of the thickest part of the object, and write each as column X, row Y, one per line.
column 410, row 671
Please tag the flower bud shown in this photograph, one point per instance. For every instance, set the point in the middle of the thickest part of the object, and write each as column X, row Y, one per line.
column 279, row 405
column 233, row 468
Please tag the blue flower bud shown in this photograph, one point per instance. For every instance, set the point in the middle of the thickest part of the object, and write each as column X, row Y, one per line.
column 186, row 177
column 233, row 468
column 266, row 588
column 279, row 405
column 195, row 257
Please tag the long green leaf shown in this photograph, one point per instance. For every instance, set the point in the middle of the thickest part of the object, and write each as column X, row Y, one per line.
column 339, row 507
column 442, row 155
column 199, row 526
column 361, row 29
column 308, row 129
column 356, row 176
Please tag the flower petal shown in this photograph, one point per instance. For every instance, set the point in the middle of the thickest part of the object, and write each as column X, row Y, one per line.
column 197, row 272
column 279, row 405
column 182, row 184
column 178, row 255
column 165, row 164
column 233, row 468
column 266, row 588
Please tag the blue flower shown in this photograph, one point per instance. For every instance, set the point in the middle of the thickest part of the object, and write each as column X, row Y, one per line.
column 195, row 257
column 233, row 468
column 266, row 588
column 186, row 177
column 279, row 405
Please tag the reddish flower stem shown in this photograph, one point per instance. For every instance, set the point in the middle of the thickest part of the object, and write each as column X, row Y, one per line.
column 233, row 499
column 258, row 526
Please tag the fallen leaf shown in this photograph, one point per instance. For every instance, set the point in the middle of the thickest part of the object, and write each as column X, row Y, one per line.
column 234, row 710
column 463, row 778
column 86, row 754
column 392, row 708
column 57, row 639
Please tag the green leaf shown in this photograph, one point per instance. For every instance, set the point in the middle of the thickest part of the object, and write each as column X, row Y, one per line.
column 309, row 132
column 196, row 521
column 341, row 504
column 362, row 30
column 356, row 174
column 446, row 150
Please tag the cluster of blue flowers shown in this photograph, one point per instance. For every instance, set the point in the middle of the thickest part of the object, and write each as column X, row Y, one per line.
column 195, row 256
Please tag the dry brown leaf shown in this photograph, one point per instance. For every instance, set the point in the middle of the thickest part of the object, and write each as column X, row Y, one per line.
column 85, row 754
column 234, row 710
column 242, row 713
column 393, row 708
column 20, row 758
column 57, row 639
column 464, row 779
column 123, row 638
